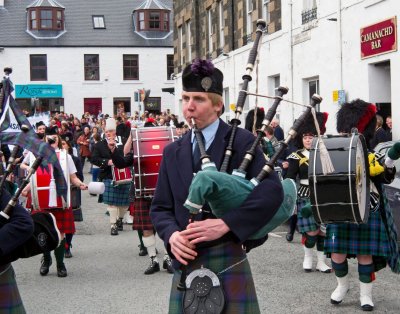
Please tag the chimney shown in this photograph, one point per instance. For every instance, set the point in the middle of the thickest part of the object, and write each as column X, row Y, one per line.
column 1, row 3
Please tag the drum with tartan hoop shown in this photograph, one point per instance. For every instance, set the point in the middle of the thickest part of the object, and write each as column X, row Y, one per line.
column 344, row 195
column 148, row 146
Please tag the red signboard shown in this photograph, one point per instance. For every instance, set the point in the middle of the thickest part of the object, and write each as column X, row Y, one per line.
column 378, row 38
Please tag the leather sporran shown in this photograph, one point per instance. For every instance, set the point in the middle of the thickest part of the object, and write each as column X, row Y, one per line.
column 204, row 293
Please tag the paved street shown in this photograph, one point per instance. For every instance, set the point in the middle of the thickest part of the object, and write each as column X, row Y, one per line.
column 106, row 276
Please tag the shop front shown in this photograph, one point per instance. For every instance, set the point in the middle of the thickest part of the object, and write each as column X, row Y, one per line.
column 38, row 98
column 378, row 45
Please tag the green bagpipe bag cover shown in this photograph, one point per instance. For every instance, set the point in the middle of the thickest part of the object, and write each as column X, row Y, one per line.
column 223, row 191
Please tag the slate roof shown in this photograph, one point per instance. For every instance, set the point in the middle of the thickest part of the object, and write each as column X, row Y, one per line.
column 45, row 3
column 152, row 4
column 119, row 31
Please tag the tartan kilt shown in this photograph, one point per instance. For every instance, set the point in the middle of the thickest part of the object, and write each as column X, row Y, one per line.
column 365, row 239
column 305, row 224
column 237, row 282
column 64, row 218
column 10, row 299
column 115, row 195
column 140, row 210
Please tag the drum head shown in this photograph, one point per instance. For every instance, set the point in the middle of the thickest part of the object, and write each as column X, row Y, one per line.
column 362, row 181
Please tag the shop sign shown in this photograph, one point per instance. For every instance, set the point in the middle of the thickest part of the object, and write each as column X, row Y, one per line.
column 38, row 91
column 378, row 38
column 339, row 96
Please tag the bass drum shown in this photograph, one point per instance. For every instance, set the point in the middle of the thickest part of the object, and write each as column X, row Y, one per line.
column 148, row 145
column 341, row 196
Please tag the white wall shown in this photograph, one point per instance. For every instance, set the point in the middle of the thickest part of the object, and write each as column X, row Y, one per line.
column 66, row 66
column 317, row 52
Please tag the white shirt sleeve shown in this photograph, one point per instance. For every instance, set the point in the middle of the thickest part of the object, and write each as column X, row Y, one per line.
column 71, row 165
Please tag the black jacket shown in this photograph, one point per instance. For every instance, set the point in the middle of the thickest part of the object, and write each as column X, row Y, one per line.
column 102, row 154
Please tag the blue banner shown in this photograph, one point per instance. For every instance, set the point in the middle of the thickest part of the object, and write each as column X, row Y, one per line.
column 38, row 91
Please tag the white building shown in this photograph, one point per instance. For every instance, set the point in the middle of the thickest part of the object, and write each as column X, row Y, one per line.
column 318, row 50
column 78, row 56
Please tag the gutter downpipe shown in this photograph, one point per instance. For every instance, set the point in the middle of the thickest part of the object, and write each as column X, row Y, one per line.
column 291, row 58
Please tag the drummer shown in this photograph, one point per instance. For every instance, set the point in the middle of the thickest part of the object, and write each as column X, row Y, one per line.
column 64, row 215
column 213, row 243
column 313, row 234
column 116, row 197
column 368, row 242
column 141, row 216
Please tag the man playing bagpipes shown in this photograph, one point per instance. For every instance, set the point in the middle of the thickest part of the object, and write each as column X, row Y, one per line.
column 13, row 234
column 373, row 243
column 215, row 244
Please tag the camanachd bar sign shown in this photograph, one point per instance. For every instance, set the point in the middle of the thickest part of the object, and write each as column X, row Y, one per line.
column 378, row 38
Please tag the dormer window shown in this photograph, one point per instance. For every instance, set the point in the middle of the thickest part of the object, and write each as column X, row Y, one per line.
column 41, row 18
column 98, row 21
column 153, row 20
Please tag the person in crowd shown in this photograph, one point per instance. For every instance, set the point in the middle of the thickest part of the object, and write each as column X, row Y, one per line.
column 79, row 173
column 210, row 242
column 380, row 135
column 368, row 242
column 269, row 143
column 83, row 141
column 94, row 168
column 278, row 131
column 65, row 131
column 49, row 201
column 312, row 233
column 179, row 129
column 115, row 196
column 122, row 129
column 389, row 128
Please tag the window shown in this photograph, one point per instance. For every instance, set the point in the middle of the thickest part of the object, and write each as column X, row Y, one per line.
column 46, row 18
column 210, row 30
column 170, row 66
column 92, row 68
column 221, row 25
column 180, row 43
column 226, row 100
column 249, row 23
column 38, row 67
column 313, row 88
column 142, row 24
column 98, row 21
column 189, row 40
column 265, row 13
column 153, row 20
column 309, row 11
column 131, row 67
column 166, row 21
